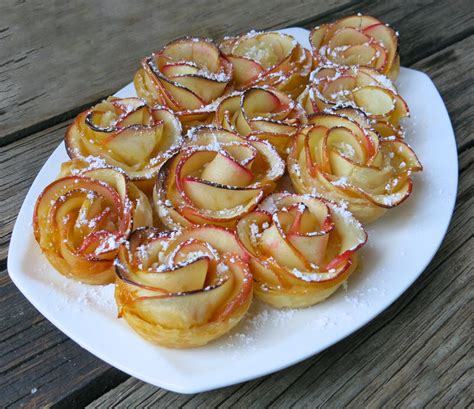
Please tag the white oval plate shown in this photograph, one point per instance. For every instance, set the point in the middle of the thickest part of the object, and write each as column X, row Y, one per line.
column 400, row 247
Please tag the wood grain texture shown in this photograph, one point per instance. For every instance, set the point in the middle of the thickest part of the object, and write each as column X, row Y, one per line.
column 86, row 63
column 56, row 57
column 33, row 354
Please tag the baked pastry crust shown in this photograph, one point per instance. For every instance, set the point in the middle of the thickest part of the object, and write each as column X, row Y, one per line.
column 357, row 40
column 182, row 289
column 268, row 58
column 361, row 88
column 302, row 248
column 185, row 75
column 264, row 113
column 80, row 220
column 126, row 134
column 217, row 177
column 338, row 158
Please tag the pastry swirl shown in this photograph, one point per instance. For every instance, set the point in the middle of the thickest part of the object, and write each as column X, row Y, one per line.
column 217, row 177
column 80, row 220
column 336, row 157
column 357, row 87
column 186, row 74
column 302, row 248
column 268, row 58
column 357, row 40
column 127, row 134
column 262, row 112
column 182, row 289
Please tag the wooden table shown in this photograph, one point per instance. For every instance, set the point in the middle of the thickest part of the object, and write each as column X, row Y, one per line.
column 56, row 58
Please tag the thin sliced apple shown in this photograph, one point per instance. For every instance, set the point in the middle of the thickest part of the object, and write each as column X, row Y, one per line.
column 212, row 196
column 135, row 145
column 222, row 240
column 317, row 35
column 374, row 100
column 178, row 69
column 347, row 36
column 179, row 278
column 357, row 21
column 359, row 54
column 185, row 311
column 226, row 171
column 386, row 36
column 245, row 69
column 274, row 245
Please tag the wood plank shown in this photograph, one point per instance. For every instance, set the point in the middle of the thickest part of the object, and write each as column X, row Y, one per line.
column 424, row 28
column 20, row 162
column 25, row 157
column 369, row 368
column 38, row 361
column 58, row 57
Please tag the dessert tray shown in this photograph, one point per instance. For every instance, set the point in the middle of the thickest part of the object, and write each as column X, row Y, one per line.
column 399, row 249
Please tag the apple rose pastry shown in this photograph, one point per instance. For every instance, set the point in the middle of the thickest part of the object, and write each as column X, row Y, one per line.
column 217, row 177
column 265, row 113
column 185, row 75
column 268, row 58
column 79, row 222
column 357, row 87
column 183, row 289
column 336, row 158
column 127, row 134
column 357, row 40
column 302, row 248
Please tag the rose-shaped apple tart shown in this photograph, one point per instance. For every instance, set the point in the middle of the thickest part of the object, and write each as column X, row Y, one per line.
column 217, row 177
column 127, row 134
column 357, row 87
column 357, row 40
column 302, row 248
column 185, row 75
column 265, row 113
column 182, row 289
column 336, row 158
column 268, row 58
column 79, row 221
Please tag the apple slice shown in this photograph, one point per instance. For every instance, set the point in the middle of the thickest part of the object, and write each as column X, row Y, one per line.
column 359, row 54
column 316, row 37
column 335, row 90
column 357, row 21
column 245, row 69
column 226, row 171
column 208, row 89
column 182, row 277
column 259, row 101
column 139, row 116
column 190, row 248
column 135, row 144
column 185, row 311
column 374, row 100
column 384, row 35
column 213, row 196
column 126, row 105
column 274, row 244
column 311, row 246
column 347, row 36
column 179, row 69
column 221, row 239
